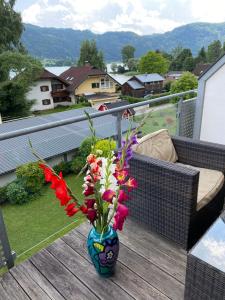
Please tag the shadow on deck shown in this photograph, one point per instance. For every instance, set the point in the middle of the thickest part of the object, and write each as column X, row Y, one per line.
column 148, row 268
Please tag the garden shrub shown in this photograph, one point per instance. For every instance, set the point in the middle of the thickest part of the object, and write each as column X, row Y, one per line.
column 85, row 147
column 32, row 177
column 64, row 167
column 3, row 194
column 105, row 146
column 16, row 193
column 77, row 164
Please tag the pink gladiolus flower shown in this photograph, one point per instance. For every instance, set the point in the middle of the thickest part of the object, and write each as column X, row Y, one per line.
column 89, row 191
column 131, row 184
column 91, row 159
column 108, row 195
column 121, row 176
column 120, row 216
column 122, row 196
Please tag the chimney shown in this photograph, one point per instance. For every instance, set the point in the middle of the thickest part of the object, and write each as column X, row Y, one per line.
column 87, row 64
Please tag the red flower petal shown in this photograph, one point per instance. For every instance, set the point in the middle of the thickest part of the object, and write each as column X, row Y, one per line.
column 71, row 209
column 131, row 184
column 122, row 196
column 121, row 176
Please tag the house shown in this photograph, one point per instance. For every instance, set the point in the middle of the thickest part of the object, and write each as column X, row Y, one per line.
column 210, row 104
column 127, row 112
column 200, row 69
column 49, row 91
column 88, row 80
column 55, row 144
column 173, row 75
column 142, row 85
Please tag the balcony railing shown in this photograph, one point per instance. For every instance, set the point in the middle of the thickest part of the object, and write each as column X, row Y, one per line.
column 178, row 118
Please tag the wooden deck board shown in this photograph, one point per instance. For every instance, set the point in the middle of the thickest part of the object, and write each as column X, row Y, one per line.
column 149, row 267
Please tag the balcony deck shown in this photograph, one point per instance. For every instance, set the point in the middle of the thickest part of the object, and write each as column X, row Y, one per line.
column 148, row 268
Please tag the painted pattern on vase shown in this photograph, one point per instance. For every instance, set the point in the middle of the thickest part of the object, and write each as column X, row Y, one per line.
column 103, row 250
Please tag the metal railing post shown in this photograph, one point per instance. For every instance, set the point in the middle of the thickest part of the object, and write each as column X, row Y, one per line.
column 179, row 107
column 8, row 254
column 119, row 129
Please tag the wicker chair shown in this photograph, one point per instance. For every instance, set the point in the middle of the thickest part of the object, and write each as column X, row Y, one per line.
column 7, row 256
column 166, row 197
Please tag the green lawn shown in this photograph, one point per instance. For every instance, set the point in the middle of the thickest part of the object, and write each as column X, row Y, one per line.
column 163, row 118
column 36, row 221
column 60, row 109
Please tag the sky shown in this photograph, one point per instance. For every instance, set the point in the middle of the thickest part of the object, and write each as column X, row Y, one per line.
column 140, row 16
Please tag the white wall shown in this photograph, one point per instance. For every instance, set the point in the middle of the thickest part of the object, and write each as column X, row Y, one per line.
column 36, row 93
column 213, row 117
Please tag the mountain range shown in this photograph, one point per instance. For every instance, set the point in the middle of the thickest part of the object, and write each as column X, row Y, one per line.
column 62, row 43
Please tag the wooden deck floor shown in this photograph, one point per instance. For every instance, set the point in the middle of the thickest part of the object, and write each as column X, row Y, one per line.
column 148, row 268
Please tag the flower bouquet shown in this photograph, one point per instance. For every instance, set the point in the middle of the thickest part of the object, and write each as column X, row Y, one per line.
column 106, row 189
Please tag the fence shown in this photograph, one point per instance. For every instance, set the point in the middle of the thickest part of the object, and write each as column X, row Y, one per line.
column 182, row 114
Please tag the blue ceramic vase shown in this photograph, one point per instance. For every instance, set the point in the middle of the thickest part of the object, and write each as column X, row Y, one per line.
column 103, row 250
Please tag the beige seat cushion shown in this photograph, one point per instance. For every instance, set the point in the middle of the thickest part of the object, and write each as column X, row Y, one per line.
column 157, row 145
column 210, row 182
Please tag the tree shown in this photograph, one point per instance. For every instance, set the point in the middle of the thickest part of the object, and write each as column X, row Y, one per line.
column 132, row 64
column 188, row 64
column 186, row 82
column 178, row 62
column 114, row 67
column 214, row 51
column 202, row 56
column 11, row 27
column 127, row 53
column 153, row 62
column 89, row 53
column 121, row 69
column 13, row 91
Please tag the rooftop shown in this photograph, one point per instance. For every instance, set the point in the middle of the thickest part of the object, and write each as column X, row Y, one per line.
column 51, row 142
column 144, row 78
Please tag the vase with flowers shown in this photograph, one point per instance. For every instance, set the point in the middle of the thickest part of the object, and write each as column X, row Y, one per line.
column 105, row 191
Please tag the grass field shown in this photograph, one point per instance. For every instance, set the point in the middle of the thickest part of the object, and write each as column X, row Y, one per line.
column 31, row 223
column 158, row 119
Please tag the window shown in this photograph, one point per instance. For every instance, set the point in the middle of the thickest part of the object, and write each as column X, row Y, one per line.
column 57, row 86
column 44, row 88
column 46, row 101
column 95, row 85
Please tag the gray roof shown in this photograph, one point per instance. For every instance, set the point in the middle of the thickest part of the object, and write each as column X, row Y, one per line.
column 149, row 77
column 135, row 84
column 121, row 79
column 51, row 142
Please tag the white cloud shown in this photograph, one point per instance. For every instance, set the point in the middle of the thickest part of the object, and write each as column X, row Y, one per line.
column 31, row 14
column 140, row 16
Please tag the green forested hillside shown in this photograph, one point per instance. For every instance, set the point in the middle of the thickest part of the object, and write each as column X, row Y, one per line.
column 58, row 43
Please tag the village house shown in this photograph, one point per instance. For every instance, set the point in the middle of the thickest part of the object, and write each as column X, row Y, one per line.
column 173, row 75
column 90, row 82
column 142, row 85
column 126, row 113
column 49, row 91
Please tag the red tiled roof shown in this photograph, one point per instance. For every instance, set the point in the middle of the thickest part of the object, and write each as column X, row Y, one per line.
column 76, row 75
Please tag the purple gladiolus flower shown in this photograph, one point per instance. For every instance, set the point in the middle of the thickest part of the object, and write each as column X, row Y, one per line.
column 134, row 140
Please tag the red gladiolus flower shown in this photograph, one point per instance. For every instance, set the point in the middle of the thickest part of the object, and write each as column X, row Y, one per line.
column 71, row 209
column 61, row 192
column 121, row 176
column 120, row 216
column 84, row 209
column 122, row 196
column 90, row 203
column 89, row 191
column 131, row 184
column 91, row 215
column 108, row 195
column 47, row 172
